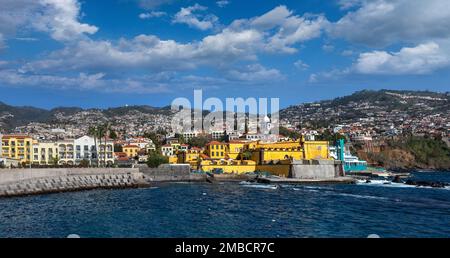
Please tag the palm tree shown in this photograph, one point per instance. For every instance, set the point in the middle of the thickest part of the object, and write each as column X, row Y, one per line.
column 101, row 131
column 93, row 132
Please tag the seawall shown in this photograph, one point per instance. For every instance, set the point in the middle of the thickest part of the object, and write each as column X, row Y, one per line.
column 170, row 173
column 19, row 182
column 316, row 169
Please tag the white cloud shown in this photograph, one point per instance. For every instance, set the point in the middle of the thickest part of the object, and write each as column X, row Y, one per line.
column 2, row 42
column 191, row 17
column 151, row 53
column 421, row 59
column 328, row 48
column 243, row 40
column 152, row 14
column 222, row 3
column 3, row 63
column 83, row 81
column 385, row 22
column 255, row 73
column 348, row 4
column 26, row 39
column 277, row 31
column 334, row 74
column 283, row 30
column 276, row 17
column 294, row 30
column 153, row 4
column 59, row 18
column 347, row 52
column 301, row 65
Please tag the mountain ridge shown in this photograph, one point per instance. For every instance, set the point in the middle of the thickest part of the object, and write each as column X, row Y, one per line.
column 14, row 116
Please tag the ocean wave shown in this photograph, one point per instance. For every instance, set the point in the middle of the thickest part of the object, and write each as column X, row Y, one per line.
column 386, row 183
column 261, row 186
column 362, row 196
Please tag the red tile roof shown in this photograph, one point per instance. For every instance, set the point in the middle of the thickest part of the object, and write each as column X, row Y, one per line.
column 131, row 146
column 216, row 143
column 204, row 156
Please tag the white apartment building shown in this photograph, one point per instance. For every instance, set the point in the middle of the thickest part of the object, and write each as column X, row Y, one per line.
column 217, row 135
column 72, row 152
column 189, row 135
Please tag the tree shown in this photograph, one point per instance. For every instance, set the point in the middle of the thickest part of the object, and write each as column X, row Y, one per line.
column 107, row 127
column 156, row 159
column 93, row 132
column 180, row 138
column 155, row 139
column 199, row 141
column 330, row 137
column 247, row 155
column 118, row 148
column 112, row 134
column 55, row 161
column 84, row 163
column 289, row 133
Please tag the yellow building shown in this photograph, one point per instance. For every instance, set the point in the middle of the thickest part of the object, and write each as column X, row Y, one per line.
column 216, row 150
column 235, row 149
column 274, row 158
column 229, row 166
column 66, row 152
column 173, row 160
column 131, row 150
column 265, row 152
column 17, row 147
column 45, row 153
column 192, row 157
column 316, row 150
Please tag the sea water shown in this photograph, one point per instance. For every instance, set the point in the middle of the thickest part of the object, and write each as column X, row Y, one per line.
column 235, row 210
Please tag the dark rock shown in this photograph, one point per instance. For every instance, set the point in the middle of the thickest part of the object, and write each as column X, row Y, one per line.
column 427, row 184
column 397, row 179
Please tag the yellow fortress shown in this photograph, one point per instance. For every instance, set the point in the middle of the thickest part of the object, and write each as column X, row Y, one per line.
column 252, row 156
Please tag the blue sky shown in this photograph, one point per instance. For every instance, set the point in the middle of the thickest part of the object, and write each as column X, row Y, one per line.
column 107, row 53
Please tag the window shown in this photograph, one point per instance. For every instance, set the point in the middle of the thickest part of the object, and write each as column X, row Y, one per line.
column 217, row 153
column 86, row 148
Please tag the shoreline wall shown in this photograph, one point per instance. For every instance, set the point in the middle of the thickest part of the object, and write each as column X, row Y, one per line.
column 315, row 169
column 18, row 182
column 170, row 173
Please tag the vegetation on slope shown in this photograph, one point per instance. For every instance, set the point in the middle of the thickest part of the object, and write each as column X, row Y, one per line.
column 413, row 152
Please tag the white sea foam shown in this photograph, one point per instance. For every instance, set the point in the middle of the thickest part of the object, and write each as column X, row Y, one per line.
column 363, row 196
column 386, row 183
column 261, row 186
column 318, row 187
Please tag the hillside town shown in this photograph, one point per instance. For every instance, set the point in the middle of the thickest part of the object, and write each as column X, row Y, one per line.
column 366, row 120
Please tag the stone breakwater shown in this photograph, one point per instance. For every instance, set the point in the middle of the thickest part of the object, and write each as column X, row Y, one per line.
column 20, row 182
